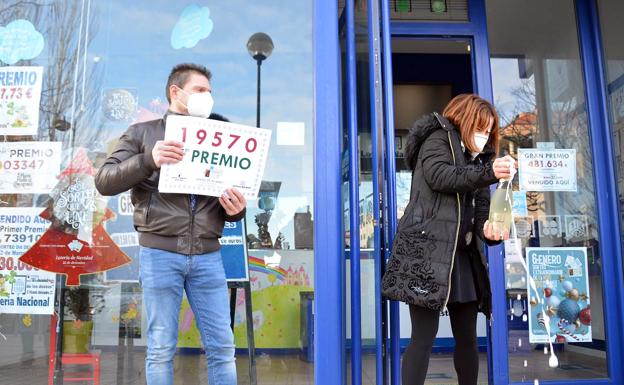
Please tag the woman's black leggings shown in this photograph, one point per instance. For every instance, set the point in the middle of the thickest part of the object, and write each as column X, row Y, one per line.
column 424, row 330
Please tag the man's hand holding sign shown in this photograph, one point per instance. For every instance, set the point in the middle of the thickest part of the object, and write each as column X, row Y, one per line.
column 210, row 157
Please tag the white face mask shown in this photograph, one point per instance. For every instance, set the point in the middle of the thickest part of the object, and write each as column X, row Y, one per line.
column 480, row 140
column 199, row 104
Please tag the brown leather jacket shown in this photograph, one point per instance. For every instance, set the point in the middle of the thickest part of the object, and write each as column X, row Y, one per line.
column 164, row 221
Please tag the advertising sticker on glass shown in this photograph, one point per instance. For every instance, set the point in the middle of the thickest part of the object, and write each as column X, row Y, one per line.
column 20, row 94
column 23, row 288
column 217, row 156
column 559, row 311
column 547, row 170
column 29, row 167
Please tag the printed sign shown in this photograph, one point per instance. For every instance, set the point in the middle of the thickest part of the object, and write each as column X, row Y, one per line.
column 20, row 94
column 218, row 156
column 121, row 230
column 576, row 227
column 76, row 243
column 524, row 227
column 29, row 167
column 119, row 104
column 234, row 252
column 23, row 288
column 520, row 208
column 547, row 170
column 513, row 250
column 550, row 226
column 560, row 309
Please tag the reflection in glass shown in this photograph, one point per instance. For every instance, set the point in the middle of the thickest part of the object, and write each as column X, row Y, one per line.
column 610, row 22
column 538, row 91
column 104, row 66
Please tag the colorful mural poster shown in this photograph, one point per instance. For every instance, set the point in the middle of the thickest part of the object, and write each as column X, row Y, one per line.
column 29, row 167
column 559, row 311
column 20, row 94
column 277, row 277
column 23, row 288
column 547, row 170
column 218, row 156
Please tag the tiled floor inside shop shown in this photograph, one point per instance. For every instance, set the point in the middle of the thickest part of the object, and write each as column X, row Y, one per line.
column 190, row 369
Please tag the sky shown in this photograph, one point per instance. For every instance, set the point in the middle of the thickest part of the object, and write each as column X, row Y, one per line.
column 133, row 46
column 132, row 49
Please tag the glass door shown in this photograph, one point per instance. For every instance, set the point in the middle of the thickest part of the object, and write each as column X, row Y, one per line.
column 372, row 170
column 556, row 319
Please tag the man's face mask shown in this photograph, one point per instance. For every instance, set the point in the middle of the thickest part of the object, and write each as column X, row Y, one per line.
column 199, row 104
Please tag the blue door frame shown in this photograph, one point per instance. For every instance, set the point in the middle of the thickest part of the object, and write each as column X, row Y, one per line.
column 329, row 305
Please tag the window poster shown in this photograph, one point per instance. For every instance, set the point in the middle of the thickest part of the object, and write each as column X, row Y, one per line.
column 20, row 94
column 547, row 169
column 559, row 311
column 76, row 242
column 29, row 167
column 23, row 288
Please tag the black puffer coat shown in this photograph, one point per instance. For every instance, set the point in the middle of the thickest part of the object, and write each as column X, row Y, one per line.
column 424, row 248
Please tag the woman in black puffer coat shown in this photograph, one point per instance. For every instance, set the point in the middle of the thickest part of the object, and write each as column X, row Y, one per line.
column 437, row 260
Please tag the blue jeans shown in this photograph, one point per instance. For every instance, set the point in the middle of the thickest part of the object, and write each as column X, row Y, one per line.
column 164, row 275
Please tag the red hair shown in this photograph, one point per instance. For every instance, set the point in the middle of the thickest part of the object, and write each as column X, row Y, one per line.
column 470, row 113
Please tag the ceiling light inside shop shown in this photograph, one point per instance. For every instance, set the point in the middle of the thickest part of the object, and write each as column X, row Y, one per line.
column 438, row 6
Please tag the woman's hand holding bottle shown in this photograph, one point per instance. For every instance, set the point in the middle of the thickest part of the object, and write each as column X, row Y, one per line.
column 504, row 167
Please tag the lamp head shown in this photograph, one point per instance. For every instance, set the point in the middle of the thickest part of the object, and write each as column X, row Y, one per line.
column 260, row 46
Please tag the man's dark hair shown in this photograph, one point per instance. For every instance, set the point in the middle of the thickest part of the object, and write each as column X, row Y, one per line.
column 215, row 116
column 180, row 74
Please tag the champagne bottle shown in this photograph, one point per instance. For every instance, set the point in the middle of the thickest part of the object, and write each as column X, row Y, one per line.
column 500, row 208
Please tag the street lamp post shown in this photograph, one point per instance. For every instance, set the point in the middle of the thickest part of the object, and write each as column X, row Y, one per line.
column 259, row 47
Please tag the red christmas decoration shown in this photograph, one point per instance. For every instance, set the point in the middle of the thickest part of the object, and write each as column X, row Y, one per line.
column 76, row 242
column 585, row 316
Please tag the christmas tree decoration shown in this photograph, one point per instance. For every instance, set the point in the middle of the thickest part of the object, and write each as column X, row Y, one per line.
column 76, row 242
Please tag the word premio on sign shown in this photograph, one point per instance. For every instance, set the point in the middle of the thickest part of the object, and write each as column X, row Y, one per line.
column 217, row 156
column 547, row 170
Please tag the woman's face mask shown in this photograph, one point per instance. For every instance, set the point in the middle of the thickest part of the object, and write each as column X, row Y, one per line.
column 480, row 140
column 199, row 104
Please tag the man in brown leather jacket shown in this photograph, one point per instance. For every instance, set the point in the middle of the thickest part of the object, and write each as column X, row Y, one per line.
column 178, row 234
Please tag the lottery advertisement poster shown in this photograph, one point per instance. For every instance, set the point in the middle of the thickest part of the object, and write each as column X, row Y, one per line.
column 20, row 94
column 29, row 167
column 217, row 156
column 23, row 288
column 547, row 170
column 560, row 310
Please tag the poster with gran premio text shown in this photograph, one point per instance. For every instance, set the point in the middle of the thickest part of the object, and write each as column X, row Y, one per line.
column 29, row 167
column 547, row 169
column 23, row 288
column 560, row 310
column 20, row 94
column 218, row 155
